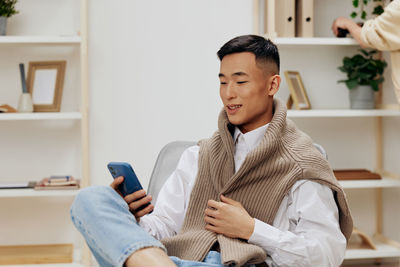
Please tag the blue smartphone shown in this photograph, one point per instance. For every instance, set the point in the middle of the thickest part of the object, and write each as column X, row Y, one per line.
column 131, row 183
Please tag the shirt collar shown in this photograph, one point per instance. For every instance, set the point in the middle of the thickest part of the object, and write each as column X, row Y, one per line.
column 252, row 138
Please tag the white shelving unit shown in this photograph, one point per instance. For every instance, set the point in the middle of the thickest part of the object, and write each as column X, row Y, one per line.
column 40, row 40
column 41, row 116
column 57, row 122
column 10, row 193
column 342, row 113
column 383, row 183
column 382, row 251
column 386, row 248
column 315, row 41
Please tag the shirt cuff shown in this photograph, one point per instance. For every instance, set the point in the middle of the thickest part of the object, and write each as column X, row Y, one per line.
column 265, row 236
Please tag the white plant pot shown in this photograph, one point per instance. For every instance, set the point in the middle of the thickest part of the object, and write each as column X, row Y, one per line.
column 3, row 25
column 362, row 97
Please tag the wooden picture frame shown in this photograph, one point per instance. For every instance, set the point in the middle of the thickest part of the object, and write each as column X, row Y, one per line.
column 298, row 95
column 45, row 84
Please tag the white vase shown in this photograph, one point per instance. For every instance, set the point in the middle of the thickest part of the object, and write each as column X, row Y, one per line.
column 25, row 103
column 3, row 25
column 362, row 97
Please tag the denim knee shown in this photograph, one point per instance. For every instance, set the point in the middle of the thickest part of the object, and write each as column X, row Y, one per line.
column 89, row 200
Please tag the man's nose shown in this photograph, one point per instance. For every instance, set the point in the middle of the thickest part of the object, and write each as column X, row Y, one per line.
column 230, row 91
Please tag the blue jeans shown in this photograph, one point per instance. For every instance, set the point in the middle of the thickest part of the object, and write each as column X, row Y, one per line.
column 111, row 231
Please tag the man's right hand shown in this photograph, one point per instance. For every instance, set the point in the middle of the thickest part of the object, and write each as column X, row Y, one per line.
column 134, row 200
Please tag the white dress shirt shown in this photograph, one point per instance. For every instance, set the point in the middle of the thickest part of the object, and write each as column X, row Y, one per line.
column 305, row 231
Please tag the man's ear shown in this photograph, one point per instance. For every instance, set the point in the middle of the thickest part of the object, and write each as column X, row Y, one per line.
column 273, row 84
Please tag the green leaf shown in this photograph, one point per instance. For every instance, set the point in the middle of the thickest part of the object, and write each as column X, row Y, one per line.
column 378, row 10
column 365, row 2
column 351, row 83
column 355, row 3
column 353, row 14
column 364, row 75
column 363, row 15
column 365, row 52
column 353, row 75
column 7, row 8
column 374, row 85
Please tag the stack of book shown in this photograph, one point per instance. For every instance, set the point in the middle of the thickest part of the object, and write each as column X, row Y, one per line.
column 57, row 182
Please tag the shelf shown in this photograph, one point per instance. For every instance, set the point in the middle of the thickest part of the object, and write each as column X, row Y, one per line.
column 382, row 183
column 6, row 193
column 382, row 251
column 315, row 41
column 41, row 40
column 77, row 254
column 337, row 113
column 41, row 116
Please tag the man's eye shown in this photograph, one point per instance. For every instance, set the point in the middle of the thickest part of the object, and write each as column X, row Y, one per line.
column 223, row 82
column 242, row 82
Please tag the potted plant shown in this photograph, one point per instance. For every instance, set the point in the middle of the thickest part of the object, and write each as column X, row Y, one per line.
column 364, row 74
column 7, row 9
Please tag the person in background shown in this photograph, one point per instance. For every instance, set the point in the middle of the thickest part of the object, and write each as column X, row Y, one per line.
column 381, row 33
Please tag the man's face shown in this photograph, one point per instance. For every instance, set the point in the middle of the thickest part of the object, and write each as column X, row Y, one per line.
column 244, row 91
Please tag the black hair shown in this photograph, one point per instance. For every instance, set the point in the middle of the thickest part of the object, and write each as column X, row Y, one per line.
column 264, row 50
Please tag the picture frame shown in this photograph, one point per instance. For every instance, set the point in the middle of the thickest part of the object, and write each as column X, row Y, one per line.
column 45, row 83
column 298, row 95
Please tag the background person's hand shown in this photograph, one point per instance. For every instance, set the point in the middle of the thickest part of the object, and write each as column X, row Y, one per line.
column 134, row 200
column 229, row 218
column 343, row 23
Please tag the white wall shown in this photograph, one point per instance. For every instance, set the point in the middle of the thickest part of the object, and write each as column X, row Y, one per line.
column 154, row 76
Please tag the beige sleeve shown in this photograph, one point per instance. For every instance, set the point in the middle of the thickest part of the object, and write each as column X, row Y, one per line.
column 383, row 32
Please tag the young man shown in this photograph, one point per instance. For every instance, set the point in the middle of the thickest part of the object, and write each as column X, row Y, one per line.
column 256, row 192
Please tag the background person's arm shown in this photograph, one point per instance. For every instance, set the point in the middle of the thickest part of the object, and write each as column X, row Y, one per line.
column 383, row 32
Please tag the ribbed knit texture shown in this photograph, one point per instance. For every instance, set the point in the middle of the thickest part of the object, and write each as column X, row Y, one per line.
column 284, row 156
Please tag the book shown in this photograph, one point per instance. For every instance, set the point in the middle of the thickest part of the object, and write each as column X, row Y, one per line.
column 7, row 109
column 356, row 174
column 57, row 183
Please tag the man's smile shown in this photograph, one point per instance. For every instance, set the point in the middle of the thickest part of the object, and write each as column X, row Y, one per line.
column 233, row 108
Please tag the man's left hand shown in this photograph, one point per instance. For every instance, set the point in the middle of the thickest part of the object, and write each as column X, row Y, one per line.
column 229, row 218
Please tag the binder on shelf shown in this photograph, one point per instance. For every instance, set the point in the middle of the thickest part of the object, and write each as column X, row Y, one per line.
column 285, row 18
column 304, row 18
column 269, row 19
column 279, row 18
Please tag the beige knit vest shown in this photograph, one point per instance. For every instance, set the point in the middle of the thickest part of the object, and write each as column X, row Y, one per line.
column 284, row 156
